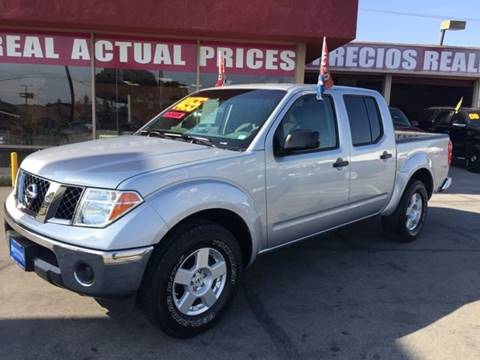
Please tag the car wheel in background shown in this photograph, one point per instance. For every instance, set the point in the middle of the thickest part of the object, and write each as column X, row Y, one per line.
column 473, row 161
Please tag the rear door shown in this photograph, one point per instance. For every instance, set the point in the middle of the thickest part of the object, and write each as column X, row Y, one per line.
column 373, row 155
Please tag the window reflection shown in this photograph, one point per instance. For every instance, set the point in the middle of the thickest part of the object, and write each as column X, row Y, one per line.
column 127, row 99
column 44, row 105
column 209, row 79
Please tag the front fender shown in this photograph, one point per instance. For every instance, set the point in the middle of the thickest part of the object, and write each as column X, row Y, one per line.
column 180, row 201
column 405, row 172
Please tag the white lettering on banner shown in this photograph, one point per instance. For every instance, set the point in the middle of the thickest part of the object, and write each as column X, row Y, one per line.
column 50, row 49
column 404, row 59
column 177, row 55
column 148, row 54
column 103, row 51
column 430, row 61
column 162, row 55
column 409, row 59
column 459, row 63
column 252, row 58
column 288, row 60
column 380, row 57
column 366, row 57
column 32, row 47
column 445, row 61
column 352, row 53
column 80, row 50
column 393, row 58
column 142, row 53
column 239, row 58
column 13, row 44
column 471, row 63
column 123, row 47
column 227, row 54
column 336, row 58
column 206, row 53
column 271, row 59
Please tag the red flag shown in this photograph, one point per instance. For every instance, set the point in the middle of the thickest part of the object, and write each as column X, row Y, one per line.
column 324, row 71
column 221, row 71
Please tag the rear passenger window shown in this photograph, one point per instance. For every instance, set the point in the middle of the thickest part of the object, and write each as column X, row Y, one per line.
column 364, row 118
column 444, row 117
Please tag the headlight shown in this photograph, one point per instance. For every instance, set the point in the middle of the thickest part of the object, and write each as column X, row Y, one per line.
column 99, row 208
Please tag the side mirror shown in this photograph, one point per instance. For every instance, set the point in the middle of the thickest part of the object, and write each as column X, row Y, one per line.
column 414, row 123
column 301, row 139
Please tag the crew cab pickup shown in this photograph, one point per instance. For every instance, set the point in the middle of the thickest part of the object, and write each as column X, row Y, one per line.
column 177, row 211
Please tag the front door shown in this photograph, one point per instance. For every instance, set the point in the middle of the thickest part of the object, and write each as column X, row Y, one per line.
column 306, row 190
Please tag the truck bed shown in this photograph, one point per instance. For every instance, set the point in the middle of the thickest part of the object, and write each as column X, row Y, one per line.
column 435, row 146
column 414, row 136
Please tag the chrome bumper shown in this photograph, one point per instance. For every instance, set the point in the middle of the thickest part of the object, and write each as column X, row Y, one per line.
column 116, row 272
column 445, row 185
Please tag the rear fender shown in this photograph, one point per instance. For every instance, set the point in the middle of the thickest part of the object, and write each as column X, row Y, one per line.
column 409, row 167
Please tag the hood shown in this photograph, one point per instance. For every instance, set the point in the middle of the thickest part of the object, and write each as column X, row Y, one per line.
column 106, row 163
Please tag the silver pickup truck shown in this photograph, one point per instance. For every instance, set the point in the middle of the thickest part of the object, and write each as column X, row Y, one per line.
column 177, row 211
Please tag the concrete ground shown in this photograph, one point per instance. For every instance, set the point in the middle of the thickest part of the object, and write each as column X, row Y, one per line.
column 350, row 294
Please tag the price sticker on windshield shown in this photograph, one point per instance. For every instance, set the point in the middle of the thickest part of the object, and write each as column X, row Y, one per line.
column 473, row 116
column 190, row 104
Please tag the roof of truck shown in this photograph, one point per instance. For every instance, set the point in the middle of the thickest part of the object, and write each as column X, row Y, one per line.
column 289, row 86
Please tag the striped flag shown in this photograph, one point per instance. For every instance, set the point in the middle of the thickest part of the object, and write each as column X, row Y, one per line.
column 221, row 70
column 325, row 80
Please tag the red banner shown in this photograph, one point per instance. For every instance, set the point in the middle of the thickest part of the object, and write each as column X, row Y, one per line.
column 145, row 53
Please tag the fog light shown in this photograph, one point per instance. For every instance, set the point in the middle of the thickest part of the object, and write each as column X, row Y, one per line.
column 84, row 274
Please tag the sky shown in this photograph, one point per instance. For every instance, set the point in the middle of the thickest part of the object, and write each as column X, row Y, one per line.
column 421, row 29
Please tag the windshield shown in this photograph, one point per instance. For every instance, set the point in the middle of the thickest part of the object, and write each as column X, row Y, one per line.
column 228, row 118
column 399, row 118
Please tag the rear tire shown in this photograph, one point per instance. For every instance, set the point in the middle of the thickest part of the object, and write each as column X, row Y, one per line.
column 190, row 284
column 406, row 222
column 472, row 161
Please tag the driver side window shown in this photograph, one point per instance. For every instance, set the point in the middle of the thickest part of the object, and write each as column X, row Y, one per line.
column 309, row 113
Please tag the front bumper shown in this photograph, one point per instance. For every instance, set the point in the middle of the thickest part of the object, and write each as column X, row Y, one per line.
column 116, row 273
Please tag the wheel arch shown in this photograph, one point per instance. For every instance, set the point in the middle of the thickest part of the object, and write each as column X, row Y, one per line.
column 226, row 218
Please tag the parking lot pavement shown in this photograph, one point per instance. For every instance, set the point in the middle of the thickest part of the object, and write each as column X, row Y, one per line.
column 350, row 294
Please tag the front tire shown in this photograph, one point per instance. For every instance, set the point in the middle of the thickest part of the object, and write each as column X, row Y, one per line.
column 406, row 222
column 190, row 284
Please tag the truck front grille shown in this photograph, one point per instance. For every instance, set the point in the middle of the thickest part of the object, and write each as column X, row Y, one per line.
column 31, row 191
column 69, row 202
column 59, row 201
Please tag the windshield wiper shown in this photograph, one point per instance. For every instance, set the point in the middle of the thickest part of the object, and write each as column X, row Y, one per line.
column 151, row 133
column 198, row 140
column 176, row 135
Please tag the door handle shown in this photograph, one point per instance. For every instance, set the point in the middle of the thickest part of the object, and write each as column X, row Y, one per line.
column 340, row 163
column 386, row 155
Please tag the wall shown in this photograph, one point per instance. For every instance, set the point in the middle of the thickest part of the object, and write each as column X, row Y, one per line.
column 281, row 20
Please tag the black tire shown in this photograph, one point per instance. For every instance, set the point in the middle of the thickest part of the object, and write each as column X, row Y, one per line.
column 396, row 223
column 472, row 161
column 158, row 291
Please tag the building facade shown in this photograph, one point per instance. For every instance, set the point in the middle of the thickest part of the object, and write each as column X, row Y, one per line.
column 411, row 77
column 86, row 69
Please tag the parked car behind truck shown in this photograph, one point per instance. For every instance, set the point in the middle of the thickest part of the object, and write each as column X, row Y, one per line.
column 176, row 212
column 463, row 126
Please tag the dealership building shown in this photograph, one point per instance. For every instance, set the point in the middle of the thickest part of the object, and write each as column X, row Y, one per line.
column 411, row 77
column 83, row 69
